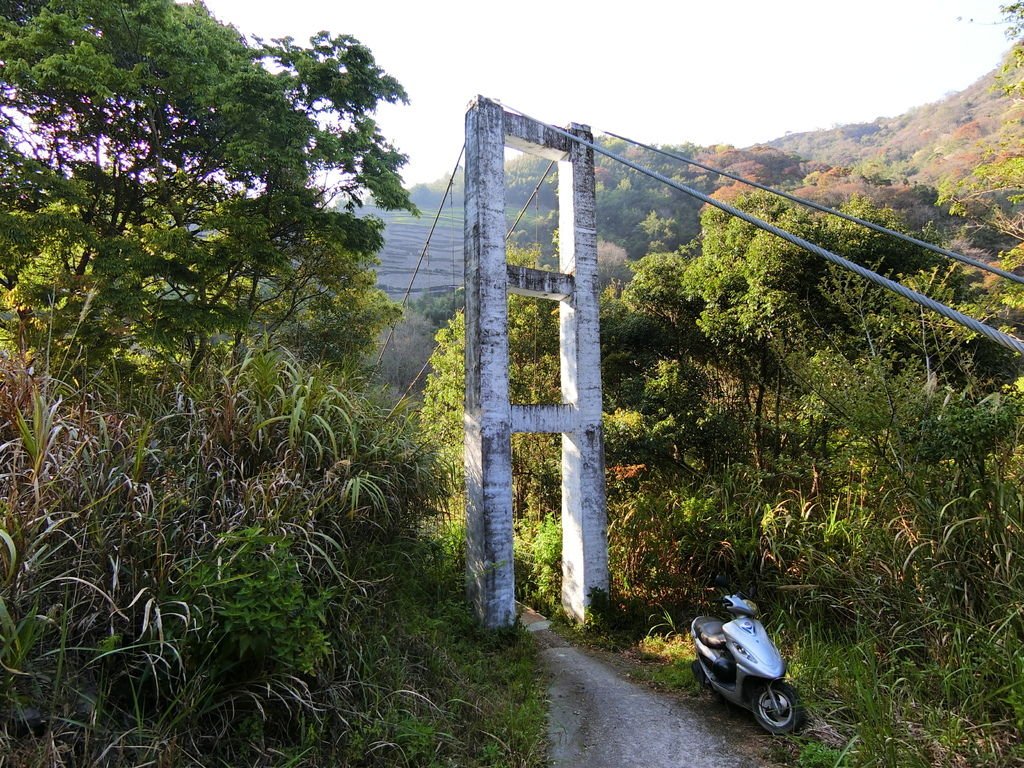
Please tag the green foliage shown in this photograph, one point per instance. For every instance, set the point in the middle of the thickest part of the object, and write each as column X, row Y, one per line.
column 222, row 566
column 775, row 420
column 163, row 182
column 539, row 563
column 757, row 287
column 486, row 704
column 262, row 615
column 666, row 547
column 816, row 755
column 961, row 433
column 445, row 392
column 715, row 350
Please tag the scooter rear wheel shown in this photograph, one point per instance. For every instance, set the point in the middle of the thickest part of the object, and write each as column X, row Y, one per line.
column 776, row 707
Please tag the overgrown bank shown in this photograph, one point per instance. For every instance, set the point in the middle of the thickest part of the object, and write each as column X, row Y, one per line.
column 247, row 569
column 769, row 418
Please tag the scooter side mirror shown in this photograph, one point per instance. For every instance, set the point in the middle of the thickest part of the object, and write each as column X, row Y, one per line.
column 721, row 582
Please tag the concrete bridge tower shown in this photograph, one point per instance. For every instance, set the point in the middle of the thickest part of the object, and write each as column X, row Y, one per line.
column 490, row 419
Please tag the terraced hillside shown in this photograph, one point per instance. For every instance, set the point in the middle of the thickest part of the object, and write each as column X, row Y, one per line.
column 404, row 238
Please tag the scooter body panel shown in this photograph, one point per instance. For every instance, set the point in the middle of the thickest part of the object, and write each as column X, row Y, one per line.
column 753, row 649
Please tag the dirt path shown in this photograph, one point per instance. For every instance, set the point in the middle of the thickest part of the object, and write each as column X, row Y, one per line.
column 601, row 719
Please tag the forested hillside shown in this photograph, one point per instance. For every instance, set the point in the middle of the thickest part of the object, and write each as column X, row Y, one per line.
column 207, row 511
column 914, row 163
column 922, row 165
column 772, row 417
column 928, row 144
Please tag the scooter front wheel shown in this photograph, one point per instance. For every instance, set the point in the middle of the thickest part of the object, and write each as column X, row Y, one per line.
column 776, row 707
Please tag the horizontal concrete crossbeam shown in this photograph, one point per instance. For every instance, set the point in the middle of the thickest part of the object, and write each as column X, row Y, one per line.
column 543, row 418
column 524, row 281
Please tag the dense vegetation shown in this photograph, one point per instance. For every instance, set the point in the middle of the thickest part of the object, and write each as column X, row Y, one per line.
column 216, row 572
column 947, row 169
column 771, row 417
column 221, row 545
column 208, row 515
column 168, row 184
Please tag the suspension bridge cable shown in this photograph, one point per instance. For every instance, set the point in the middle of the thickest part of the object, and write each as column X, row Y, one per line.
column 426, row 245
column 530, row 200
column 437, row 345
column 1004, row 339
column 825, row 209
column 451, row 232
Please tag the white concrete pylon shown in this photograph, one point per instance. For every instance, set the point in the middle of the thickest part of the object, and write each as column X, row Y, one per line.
column 490, row 419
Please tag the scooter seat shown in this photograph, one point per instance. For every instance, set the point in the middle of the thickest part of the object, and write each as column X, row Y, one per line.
column 711, row 634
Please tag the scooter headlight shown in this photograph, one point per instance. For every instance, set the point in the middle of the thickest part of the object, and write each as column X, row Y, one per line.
column 739, row 650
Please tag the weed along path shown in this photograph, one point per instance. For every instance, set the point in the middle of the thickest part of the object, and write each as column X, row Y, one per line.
column 599, row 718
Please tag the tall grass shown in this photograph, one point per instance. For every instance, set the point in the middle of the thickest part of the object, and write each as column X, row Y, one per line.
column 898, row 603
column 208, row 572
column 927, row 591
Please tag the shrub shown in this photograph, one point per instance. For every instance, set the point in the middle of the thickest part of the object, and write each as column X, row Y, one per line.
column 197, row 559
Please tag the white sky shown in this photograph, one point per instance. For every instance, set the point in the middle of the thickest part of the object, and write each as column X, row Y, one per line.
column 664, row 71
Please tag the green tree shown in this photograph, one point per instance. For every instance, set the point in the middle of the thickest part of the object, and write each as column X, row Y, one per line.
column 656, row 387
column 712, row 353
column 168, row 184
column 993, row 193
column 445, row 391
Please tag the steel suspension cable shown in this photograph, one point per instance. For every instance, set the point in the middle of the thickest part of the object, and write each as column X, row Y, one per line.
column 530, row 200
column 1004, row 339
column 825, row 209
column 423, row 253
column 437, row 345
column 451, row 232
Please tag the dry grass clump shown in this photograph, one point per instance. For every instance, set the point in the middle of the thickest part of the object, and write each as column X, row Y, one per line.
column 199, row 573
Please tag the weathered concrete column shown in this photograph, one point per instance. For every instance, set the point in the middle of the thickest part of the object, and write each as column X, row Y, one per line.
column 584, row 515
column 489, row 417
column 490, row 580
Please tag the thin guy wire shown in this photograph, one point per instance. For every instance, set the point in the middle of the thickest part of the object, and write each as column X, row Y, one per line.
column 530, row 200
column 437, row 346
column 825, row 209
column 451, row 231
column 999, row 337
column 426, row 245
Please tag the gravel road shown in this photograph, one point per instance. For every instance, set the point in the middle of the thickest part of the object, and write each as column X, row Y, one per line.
column 600, row 719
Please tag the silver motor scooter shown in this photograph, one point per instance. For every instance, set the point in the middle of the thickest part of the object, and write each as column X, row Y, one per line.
column 740, row 661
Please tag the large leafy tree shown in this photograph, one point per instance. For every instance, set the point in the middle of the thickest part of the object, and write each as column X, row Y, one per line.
column 713, row 352
column 167, row 184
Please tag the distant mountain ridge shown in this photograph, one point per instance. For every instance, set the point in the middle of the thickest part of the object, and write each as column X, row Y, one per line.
column 927, row 144
column 898, row 162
